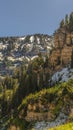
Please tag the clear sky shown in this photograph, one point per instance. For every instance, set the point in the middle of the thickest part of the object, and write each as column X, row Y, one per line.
column 22, row 17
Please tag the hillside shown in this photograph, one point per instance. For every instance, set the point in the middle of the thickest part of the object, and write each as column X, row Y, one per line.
column 36, row 79
column 54, row 105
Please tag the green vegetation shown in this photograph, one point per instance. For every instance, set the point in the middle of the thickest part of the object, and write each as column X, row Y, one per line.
column 27, row 90
column 55, row 94
column 71, row 22
column 20, row 123
column 68, row 22
column 68, row 126
column 17, row 92
column 59, row 96
column 25, row 80
column 72, row 60
column 62, row 24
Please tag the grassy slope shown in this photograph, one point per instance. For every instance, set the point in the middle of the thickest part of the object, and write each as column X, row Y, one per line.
column 59, row 90
column 68, row 126
column 56, row 95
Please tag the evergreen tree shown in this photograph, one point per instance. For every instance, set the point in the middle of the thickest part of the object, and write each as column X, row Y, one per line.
column 72, row 60
column 71, row 22
column 62, row 23
column 66, row 19
column 70, row 40
column 58, row 60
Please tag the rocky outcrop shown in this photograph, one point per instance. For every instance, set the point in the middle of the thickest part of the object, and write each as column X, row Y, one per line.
column 37, row 116
column 13, row 127
column 63, row 46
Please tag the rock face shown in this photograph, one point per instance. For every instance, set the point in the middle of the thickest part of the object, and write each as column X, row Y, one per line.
column 35, row 116
column 46, row 125
column 63, row 46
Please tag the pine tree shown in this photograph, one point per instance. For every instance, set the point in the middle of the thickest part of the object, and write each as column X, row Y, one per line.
column 66, row 19
column 71, row 22
column 62, row 23
column 72, row 59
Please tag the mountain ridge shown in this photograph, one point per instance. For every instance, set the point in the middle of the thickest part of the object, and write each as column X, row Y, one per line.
column 15, row 51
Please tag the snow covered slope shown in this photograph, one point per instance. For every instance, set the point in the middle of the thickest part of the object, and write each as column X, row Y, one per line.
column 15, row 51
column 62, row 76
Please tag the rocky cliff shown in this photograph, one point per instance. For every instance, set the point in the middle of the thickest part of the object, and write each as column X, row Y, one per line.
column 63, row 46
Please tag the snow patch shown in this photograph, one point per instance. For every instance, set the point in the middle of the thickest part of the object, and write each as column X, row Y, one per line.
column 34, row 57
column 61, row 119
column 22, row 38
column 62, row 76
column 38, row 40
column 48, row 47
column 32, row 38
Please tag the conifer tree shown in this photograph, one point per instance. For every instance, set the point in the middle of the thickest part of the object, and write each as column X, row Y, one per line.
column 72, row 59
column 62, row 23
column 66, row 19
column 71, row 22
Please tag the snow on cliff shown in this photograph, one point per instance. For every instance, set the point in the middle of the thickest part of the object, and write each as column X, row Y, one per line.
column 62, row 76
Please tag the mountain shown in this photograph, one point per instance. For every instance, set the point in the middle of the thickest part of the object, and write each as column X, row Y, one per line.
column 36, row 90
column 15, row 51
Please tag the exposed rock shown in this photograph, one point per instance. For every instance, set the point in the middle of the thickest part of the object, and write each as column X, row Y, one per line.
column 13, row 127
column 63, row 46
column 36, row 116
column 61, row 119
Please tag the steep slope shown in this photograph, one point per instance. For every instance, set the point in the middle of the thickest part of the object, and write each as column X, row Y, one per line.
column 48, row 108
column 54, row 105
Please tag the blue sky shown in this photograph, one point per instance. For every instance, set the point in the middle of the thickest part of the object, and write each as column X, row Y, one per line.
column 22, row 17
